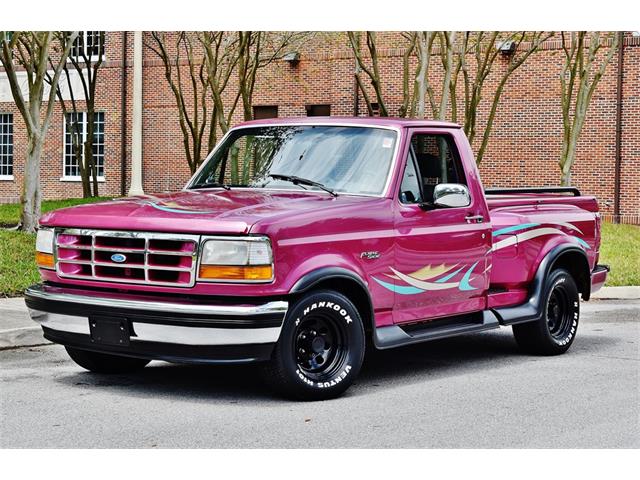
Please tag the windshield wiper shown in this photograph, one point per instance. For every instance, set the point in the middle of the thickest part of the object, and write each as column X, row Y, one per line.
column 210, row 185
column 302, row 181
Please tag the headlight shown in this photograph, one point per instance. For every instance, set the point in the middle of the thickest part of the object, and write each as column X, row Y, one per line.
column 236, row 260
column 44, row 248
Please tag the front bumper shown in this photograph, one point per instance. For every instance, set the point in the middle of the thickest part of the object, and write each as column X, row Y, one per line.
column 181, row 329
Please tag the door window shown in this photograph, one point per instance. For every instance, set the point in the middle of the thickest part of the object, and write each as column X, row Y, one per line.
column 433, row 159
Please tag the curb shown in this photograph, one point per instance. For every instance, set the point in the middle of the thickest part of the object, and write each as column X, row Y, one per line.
column 22, row 337
column 617, row 293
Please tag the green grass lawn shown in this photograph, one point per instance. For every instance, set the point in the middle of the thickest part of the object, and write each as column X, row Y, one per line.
column 620, row 250
column 17, row 249
column 17, row 262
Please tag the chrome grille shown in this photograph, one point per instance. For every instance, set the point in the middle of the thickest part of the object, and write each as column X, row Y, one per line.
column 127, row 257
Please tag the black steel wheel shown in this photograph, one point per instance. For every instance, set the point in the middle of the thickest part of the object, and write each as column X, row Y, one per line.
column 321, row 348
column 320, row 345
column 558, row 313
column 556, row 330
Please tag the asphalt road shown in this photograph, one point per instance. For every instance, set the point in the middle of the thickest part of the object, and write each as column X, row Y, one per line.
column 472, row 391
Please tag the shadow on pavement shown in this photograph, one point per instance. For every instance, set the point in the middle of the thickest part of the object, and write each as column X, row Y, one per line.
column 385, row 369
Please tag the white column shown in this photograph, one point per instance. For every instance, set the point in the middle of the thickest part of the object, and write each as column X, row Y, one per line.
column 136, row 128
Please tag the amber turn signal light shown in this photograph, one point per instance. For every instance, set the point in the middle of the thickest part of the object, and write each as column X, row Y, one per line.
column 44, row 260
column 232, row 272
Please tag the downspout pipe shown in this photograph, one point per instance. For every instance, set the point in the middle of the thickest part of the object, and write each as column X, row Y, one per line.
column 618, row 167
column 123, row 118
column 135, row 187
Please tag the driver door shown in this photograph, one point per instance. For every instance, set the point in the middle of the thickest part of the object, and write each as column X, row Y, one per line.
column 442, row 255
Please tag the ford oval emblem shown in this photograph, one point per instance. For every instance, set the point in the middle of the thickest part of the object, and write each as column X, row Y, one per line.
column 118, row 258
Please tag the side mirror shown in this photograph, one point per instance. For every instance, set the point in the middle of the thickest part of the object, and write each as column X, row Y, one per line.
column 450, row 195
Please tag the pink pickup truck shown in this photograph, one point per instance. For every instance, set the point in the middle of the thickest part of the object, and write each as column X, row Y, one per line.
column 299, row 241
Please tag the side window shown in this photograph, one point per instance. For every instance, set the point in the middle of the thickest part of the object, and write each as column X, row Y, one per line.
column 6, row 146
column 437, row 161
column 410, row 188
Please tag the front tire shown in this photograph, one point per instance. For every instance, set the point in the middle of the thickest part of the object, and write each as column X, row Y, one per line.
column 554, row 333
column 320, row 349
column 105, row 363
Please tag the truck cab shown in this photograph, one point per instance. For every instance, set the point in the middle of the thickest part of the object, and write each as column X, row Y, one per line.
column 298, row 242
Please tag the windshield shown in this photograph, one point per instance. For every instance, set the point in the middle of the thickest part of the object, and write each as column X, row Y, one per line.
column 343, row 159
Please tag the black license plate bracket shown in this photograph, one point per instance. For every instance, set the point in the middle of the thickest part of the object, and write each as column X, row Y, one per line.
column 109, row 330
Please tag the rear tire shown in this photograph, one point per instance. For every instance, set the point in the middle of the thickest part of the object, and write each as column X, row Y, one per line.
column 105, row 363
column 554, row 333
column 320, row 349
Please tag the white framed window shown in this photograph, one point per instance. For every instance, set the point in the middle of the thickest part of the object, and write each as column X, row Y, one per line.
column 70, row 167
column 6, row 146
column 90, row 43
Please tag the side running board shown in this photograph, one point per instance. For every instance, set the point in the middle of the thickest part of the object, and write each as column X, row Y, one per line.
column 396, row 336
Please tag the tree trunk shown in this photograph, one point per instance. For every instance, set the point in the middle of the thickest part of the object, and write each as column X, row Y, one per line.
column 420, row 84
column 89, row 159
column 447, row 43
column 31, row 194
column 566, row 161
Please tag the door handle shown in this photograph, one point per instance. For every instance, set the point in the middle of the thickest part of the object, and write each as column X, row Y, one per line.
column 474, row 218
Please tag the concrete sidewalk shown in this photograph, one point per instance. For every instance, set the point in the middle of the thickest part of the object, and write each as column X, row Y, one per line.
column 618, row 293
column 18, row 330
column 16, row 327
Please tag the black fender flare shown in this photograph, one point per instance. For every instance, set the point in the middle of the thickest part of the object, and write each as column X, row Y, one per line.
column 533, row 308
column 315, row 277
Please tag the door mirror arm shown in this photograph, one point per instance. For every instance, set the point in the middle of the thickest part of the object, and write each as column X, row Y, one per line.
column 427, row 206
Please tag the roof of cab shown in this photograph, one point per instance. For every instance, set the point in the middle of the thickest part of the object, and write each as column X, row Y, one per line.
column 368, row 121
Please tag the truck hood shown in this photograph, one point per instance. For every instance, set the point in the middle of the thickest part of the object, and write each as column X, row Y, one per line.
column 196, row 211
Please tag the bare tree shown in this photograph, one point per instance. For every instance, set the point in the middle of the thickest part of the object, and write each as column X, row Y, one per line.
column 424, row 88
column 258, row 50
column 86, row 64
column 484, row 47
column 579, row 79
column 198, row 119
column 453, row 50
column 372, row 71
column 30, row 50
column 200, row 68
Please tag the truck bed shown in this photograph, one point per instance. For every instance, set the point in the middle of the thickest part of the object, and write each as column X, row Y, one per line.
column 527, row 223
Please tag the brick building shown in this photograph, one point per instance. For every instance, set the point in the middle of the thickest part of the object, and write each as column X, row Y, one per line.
column 523, row 150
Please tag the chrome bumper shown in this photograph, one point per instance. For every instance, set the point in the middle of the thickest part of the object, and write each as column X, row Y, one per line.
column 186, row 322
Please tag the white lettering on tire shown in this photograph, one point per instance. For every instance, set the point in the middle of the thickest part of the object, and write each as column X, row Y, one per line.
column 334, row 381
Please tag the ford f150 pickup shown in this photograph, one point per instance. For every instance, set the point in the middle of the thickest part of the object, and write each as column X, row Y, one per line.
column 299, row 242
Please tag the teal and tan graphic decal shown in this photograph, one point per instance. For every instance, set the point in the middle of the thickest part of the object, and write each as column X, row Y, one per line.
column 443, row 277
column 528, row 231
column 431, row 278
column 174, row 207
